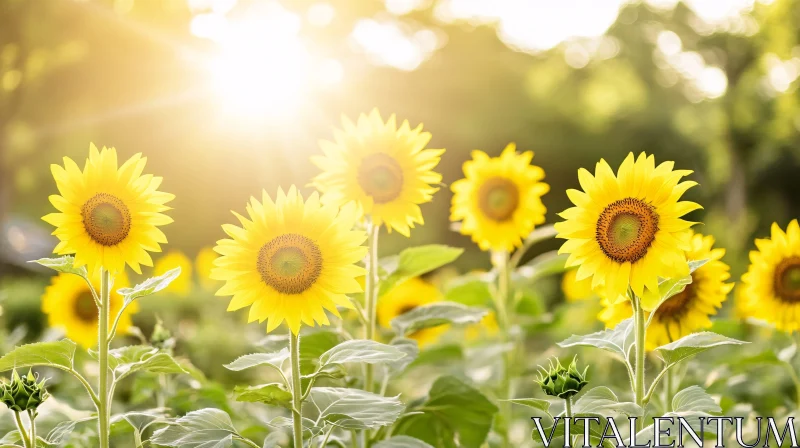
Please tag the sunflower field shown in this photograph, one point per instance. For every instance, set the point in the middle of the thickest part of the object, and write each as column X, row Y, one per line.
column 224, row 224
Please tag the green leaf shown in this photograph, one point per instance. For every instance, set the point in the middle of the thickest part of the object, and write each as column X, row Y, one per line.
column 618, row 340
column 135, row 358
column 548, row 263
column 313, row 345
column 407, row 346
column 602, row 400
column 273, row 394
column 695, row 343
column 59, row 354
column 469, row 289
column 694, row 399
column 453, row 411
column 416, row 261
column 668, row 288
column 361, row 350
column 353, row 408
column 63, row 264
column 535, row 403
column 402, row 442
column 206, row 428
column 274, row 360
column 435, row 314
column 150, row 286
column 140, row 420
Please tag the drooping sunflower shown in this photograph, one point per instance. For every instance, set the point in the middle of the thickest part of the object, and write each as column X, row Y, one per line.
column 68, row 304
column 291, row 260
column 385, row 169
column 405, row 297
column 499, row 202
column 772, row 282
column 108, row 215
column 182, row 285
column 689, row 310
column 203, row 264
column 576, row 290
column 626, row 229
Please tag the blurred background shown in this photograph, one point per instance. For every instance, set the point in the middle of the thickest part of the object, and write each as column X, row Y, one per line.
column 227, row 97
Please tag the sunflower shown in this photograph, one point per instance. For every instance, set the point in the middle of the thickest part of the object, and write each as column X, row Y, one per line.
column 182, row 285
column 499, row 202
column 291, row 260
column 384, row 169
column 626, row 229
column 772, row 282
column 68, row 304
column 203, row 264
column 405, row 297
column 576, row 290
column 108, row 215
column 487, row 327
column 689, row 310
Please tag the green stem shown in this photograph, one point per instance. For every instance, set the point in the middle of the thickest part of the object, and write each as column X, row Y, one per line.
column 503, row 319
column 22, row 432
column 247, row 442
column 669, row 391
column 297, row 402
column 796, row 381
column 370, row 296
column 32, row 418
column 639, row 341
column 568, row 403
column 103, row 343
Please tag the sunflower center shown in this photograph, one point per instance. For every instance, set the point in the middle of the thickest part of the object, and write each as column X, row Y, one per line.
column 405, row 308
column 498, row 198
column 290, row 263
column 85, row 308
column 381, row 177
column 626, row 229
column 678, row 305
column 106, row 219
column 787, row 280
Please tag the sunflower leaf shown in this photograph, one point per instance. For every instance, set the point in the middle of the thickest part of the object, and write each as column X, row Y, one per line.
column 63, row 264
column 691, row 345
column 206, row 428
column 401, row 442
column 127, row 360
column 275, row 360
column 668, row 288
column 435, row 314
column 273, row 394
column 353, row 408
column 150, row 286
column 415, row 261
column 59, row 354
column 618, row 340
column 361, row 350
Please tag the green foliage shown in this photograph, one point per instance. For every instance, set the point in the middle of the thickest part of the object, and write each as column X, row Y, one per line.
column 359, row 350
column 273, row 394
column 198, row 429
column 25, row 393
column 562, row 382
column 693, row 344
column 63, row 264
column 435, row 314
column 352, row 408
column 149, row 286
column 415, row 261
column 452, row 411
column 58, row 354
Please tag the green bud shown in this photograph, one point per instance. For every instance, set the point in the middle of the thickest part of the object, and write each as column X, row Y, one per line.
column 562, row 382
column 162, row 338
column 23, row 393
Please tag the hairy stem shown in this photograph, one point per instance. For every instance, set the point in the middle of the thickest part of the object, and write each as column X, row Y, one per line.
column 370, row 297
column 32, row 418
column 297, row 401
column 103, row 343
column 501, row 304
column 639, row 341
column 26, row 440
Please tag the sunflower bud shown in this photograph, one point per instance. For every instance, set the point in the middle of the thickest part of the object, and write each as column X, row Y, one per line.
column 23, row 393
column 162, row 338
column 562, row 382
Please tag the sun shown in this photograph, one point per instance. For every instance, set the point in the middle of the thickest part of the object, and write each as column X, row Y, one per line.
column 386, row 170
column 291, row 260
column 499, row 202
column 771, row 285
column 626, row 229
column 108, row 216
